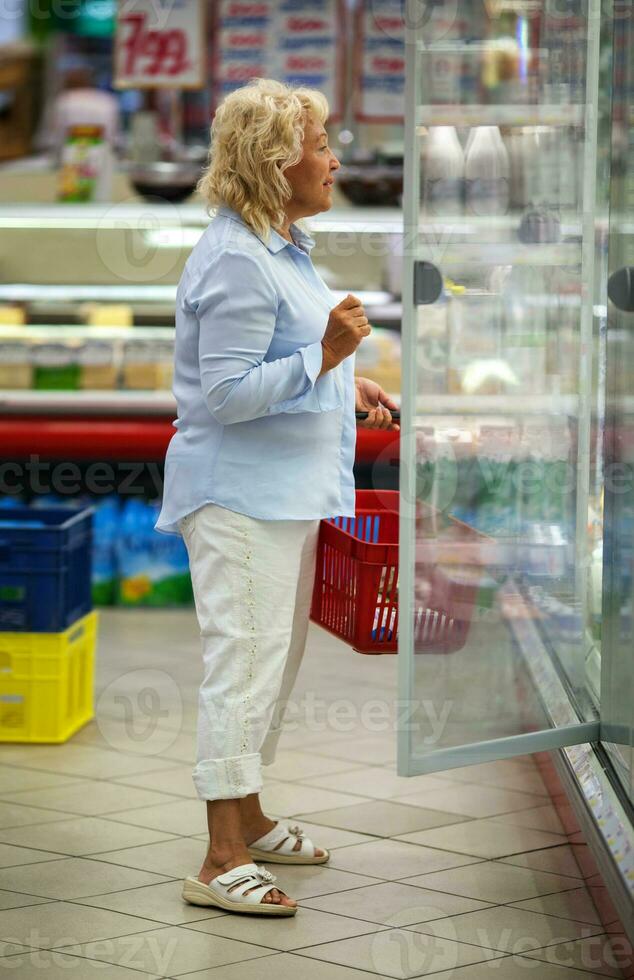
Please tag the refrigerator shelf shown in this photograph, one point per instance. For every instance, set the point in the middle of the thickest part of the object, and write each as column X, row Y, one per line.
column 499, row 253
column 501, row 115
column 496, row 406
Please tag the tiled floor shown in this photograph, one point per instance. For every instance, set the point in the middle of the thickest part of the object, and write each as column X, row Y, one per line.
column 465, row 874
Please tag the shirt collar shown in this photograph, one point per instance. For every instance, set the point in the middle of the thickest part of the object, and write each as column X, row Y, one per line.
column 276, row 241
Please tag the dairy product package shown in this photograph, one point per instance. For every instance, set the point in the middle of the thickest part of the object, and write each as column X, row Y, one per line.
column 104, row 556
column 153, row 568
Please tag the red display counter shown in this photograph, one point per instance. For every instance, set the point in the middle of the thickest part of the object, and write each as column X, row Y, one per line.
column 139, row 438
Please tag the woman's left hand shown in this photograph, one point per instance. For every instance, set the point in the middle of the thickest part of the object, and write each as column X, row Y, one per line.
column 372, row 399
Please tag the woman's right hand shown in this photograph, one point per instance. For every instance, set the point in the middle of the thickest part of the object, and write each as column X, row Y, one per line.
column 347, row 326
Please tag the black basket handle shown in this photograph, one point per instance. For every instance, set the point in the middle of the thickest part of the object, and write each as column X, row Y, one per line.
column 396, row 415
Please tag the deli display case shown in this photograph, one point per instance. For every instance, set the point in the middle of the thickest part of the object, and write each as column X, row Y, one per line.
column 87, row 318
column 516, row 399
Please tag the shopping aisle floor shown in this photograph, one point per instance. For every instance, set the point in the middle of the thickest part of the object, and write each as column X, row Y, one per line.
column 463, row 874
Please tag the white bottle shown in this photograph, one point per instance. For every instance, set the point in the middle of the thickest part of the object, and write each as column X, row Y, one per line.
column 487, row 173
column 547, row 194
column 442, row 172
column 97, row 110
column 546, row 164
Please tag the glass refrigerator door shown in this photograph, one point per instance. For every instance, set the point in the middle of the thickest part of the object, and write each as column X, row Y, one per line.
column 500, row 526
column 617, row 674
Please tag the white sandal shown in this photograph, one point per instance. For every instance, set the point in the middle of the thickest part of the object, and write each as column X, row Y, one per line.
column 277, row 845
column 221, row 890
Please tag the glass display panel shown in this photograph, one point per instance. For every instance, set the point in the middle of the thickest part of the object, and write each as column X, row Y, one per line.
column 501, row 467
column 617, row 689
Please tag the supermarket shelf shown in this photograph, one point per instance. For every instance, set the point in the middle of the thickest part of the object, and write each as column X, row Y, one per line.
column 62, row 293
column 120, row 217
column 148, row 216
column 501, row 115
column 357, row 219
column 81, row 331
column 126, row 403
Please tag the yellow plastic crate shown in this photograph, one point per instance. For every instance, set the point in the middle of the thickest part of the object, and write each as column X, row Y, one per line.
column 47, row 682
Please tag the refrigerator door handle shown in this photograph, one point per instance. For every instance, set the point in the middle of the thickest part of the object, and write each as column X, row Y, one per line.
column 621, row 288
column 427, row 283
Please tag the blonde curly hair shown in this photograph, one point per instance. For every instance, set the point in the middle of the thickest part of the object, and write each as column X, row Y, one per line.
column 256, row 133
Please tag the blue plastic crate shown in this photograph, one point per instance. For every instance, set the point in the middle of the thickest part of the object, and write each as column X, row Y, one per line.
column 45, row 568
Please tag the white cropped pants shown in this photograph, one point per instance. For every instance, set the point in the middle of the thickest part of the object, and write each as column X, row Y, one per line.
column 252, row 582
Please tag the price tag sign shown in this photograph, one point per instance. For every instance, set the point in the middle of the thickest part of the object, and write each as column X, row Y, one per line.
column 299, row 42
column 159, row 44
column 379, row 92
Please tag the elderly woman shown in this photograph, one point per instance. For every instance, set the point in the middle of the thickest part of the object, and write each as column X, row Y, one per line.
column 264, row 448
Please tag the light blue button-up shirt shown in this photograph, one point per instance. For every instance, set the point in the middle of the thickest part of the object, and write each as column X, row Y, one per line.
column 257, row 431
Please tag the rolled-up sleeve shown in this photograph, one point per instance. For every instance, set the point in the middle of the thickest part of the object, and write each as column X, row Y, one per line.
column 236, row 307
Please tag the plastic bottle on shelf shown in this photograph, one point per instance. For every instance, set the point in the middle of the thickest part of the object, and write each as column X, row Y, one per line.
column 442, row 172
column 445, row 472
column 425, row 442
column 475, row 363
column 564, row 315
column 442, row 33
column 497, row 509
column 542, row 167
column 432, row 348
column 513, row 142
column 563, row 33
column 525, row 327
column 86, row 125
column 502, row 66
column 536, row 154
column 487, row 173
column 548, row 523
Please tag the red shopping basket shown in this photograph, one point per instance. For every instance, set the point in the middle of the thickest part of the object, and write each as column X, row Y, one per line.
column 355, row 595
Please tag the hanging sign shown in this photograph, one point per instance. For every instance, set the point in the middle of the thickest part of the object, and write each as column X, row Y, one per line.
column 379, row 94
column 299, row 42
column 159, row 44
